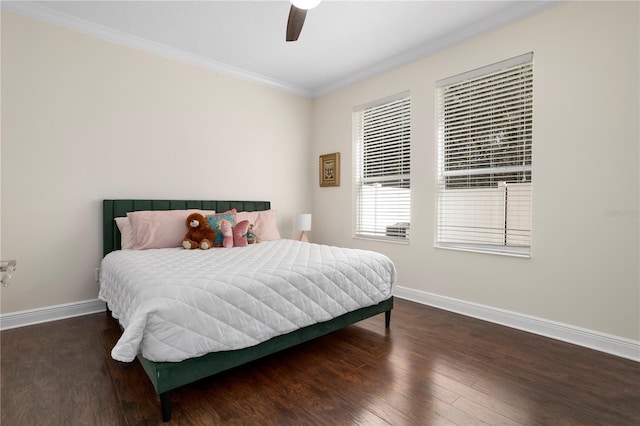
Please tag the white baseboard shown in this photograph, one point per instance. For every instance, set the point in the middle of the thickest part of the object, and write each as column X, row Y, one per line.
column 50, row 313
column 615, row 345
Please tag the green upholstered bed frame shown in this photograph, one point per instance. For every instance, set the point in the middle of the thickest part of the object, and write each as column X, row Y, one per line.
column 166, row 376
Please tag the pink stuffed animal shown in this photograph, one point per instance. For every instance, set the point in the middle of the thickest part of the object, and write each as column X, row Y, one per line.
column 227, row 233
column 234, row 236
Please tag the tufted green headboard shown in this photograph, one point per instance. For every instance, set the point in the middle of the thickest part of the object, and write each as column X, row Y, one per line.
column 119, row 208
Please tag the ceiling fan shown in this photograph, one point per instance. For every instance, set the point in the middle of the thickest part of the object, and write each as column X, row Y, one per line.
column 297, row 14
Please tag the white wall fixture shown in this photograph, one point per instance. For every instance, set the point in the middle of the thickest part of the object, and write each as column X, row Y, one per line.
column 6, row 268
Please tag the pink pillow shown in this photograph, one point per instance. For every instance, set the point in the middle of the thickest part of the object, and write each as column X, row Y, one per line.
column 240, row 234
column 126, row 233
column 264, row 223
column 160, row 228
column 234, row 213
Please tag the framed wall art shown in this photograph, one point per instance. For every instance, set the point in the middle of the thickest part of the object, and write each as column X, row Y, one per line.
column 330, row 169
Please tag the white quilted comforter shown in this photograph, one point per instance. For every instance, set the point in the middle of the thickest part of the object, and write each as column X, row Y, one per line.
column 176, row 304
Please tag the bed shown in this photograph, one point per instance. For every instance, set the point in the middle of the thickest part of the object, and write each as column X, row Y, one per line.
column 130, row 285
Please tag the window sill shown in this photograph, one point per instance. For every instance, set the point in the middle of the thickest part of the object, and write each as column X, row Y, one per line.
column 522, row 252
column 382, row 239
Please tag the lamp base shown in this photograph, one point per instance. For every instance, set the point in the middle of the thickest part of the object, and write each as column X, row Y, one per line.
column 303, row 237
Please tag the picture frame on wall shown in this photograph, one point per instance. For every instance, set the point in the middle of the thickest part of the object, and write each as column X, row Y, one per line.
column 330, row 169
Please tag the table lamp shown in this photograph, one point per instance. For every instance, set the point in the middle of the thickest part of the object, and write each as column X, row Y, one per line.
column 303, row 223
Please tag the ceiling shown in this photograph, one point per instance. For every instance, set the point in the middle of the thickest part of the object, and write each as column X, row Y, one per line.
column 341, row 42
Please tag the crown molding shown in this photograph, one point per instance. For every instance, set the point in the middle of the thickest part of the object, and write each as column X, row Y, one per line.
column 516, row 13
column 73, row 23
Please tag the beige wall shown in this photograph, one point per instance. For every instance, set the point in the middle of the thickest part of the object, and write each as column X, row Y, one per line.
column 84, row 119
column 584, row 268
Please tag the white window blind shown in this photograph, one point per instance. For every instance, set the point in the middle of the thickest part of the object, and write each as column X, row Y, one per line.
column 485, row 124
column 382, row 181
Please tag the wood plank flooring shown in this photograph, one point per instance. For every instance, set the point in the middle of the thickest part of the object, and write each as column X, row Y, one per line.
column 431, row 367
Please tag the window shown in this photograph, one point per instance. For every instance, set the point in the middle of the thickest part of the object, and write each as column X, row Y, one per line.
column 382, row 181
column 485, row 128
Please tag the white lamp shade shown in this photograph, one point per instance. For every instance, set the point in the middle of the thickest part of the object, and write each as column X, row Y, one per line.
column 303, row 222
column 305, row 4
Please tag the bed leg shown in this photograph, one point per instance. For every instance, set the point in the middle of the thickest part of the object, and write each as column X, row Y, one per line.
column 165, row 406
column 387, row 318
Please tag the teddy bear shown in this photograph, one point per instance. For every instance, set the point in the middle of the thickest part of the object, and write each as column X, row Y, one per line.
column 200, row 233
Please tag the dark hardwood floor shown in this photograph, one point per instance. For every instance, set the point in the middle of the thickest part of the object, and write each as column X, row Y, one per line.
column 431, row 367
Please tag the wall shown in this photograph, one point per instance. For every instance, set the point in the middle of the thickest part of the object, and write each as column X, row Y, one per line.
column 584, row 268
column 84, row 120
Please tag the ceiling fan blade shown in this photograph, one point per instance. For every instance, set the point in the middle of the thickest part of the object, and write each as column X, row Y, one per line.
column 295, row 22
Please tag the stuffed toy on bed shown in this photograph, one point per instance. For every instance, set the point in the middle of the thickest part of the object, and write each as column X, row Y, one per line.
column 234, row 236
column 251, row 236
column 200, row 233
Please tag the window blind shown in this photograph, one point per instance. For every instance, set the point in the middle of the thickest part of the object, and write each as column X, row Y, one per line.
column 485, row 125
column 382, row 181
